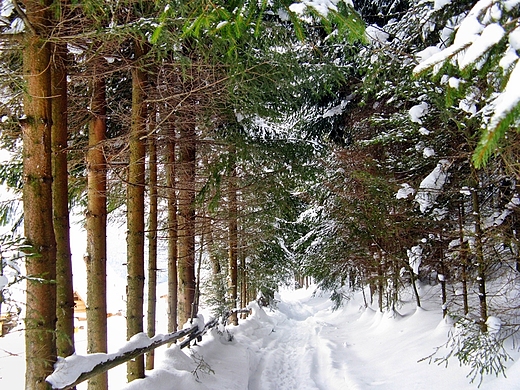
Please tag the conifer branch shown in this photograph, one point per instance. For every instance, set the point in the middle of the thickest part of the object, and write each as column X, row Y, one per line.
column 24, row 18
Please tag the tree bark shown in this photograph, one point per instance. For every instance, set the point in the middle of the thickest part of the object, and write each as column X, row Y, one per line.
column 96, row 220
column 243, row 276
column 463, row 260
column 481, row 266
column 40, row 262
column 64, row 285
column 233, row 244
column 135, row 212
column 172, row 236
column 186, row 224
column 444, row 296
column 152, row 249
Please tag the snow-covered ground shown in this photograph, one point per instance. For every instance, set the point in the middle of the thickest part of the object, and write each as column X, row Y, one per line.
column 302, row 344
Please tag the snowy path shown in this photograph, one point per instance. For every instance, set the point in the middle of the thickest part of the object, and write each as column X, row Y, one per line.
column 295, row 355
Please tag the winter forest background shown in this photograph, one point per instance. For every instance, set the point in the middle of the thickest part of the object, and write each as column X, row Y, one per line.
column 368, row 148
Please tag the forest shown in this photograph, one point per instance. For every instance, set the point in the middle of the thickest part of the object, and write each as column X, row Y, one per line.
column 361, row 145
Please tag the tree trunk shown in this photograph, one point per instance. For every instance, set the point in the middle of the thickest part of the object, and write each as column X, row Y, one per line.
column 380, row 282
column 481, row 266
column 135, row 213
column 96, row 219
column 413, row 281
column 152, row 249
column 243, row 289
column 172, row 236
column 40, row 262
column 186, row 220
column 463, row 260
column 443, row 282
column 64, row 286
column 233, row 245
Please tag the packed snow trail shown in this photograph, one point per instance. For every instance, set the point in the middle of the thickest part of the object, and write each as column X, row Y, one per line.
column 295, row 355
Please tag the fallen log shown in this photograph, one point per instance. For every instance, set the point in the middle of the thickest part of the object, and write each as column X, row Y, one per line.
column 72, row 370
column 62, row 378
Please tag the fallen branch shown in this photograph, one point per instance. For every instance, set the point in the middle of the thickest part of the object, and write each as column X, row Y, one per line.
column 64, row 378
column 108, row 361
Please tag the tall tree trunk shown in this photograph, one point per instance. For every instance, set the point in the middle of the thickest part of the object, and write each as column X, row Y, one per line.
column 413, row 281
column 243, row 276
column 96, row 219
column 233, row 244
column 380, row 281
column 444, row 297
column 463, row 260
column 186, row 220
column 152, row 249
column 172, row 235
column 481, row 265
column 135, row 212
column 64, row 285
column 40, row 262
column 218, row 284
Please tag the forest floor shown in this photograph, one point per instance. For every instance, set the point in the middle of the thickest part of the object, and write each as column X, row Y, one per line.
column 303, row 344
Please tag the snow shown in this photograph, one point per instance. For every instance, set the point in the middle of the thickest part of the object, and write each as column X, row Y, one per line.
column 498, row 217
column 6, row 8
column 439, row 4
column 337, row 110
column 431, row 186
column 510, row 4
column 424, row 131
column 494, row 324
column 3, row 281
column 376, row 35
column 454, row 82
column 301, row 344
column 418, row 111
column 415, row 258
column 305, row 345
column 508, row 99
column 321, row 6
column 427, row 53
column 428, row 152
column 405, row 191
column 491, row 35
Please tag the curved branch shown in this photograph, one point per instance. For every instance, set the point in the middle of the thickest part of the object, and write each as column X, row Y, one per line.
column 24, row 18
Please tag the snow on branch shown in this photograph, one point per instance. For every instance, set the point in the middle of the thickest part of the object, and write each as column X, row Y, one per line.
column 74, row 369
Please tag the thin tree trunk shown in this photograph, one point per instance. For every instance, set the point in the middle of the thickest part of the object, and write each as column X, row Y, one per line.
column 215, row 263
column 152, row 250
column 395, row 285
column 40, row 262
column 96, row 219
column 64, row 285
column 135, row 213
column 443, row 280
column 233, row 244
column 243, row 289
column 380, row 283
column 172, row 236
column 463, row 260
column 186, row 227
column 415, row 290
column 218, row 286
column 481, row 266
